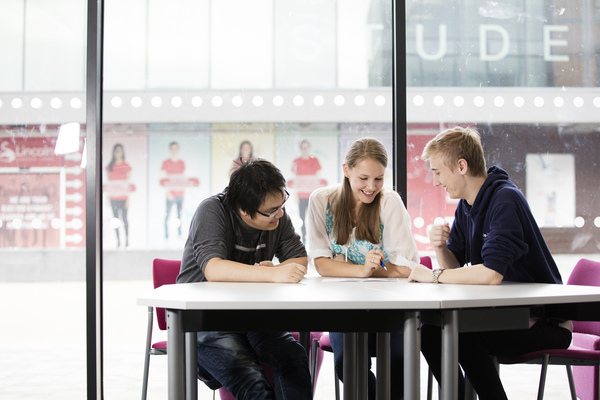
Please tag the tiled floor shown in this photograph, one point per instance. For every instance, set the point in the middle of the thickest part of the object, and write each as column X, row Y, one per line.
column 42, row 348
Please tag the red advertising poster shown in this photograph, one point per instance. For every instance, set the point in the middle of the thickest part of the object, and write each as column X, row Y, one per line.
column 42, row 194
column 30, row 210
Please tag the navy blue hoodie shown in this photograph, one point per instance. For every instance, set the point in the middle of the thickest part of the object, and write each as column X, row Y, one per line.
column 499, row 231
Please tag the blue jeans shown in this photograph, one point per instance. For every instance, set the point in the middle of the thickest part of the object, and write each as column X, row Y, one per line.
column 233, row 359
column 178, row 201
column 397, row 362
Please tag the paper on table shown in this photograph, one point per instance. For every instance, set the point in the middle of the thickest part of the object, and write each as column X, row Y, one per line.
column 369, row 279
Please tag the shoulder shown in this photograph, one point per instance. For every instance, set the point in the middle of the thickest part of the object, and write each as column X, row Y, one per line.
column 212, row 204
column 391, row 198
column 508, row 193
column 323, row 193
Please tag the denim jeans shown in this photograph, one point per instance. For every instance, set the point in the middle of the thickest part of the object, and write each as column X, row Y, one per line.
column 178, row 201
column 233, row 359
column 397, row 362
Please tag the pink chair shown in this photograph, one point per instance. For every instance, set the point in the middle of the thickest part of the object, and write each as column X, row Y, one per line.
column 164, row 272
column 325, row 345
column 584, row 352
column 315, row 365
column 586, row 334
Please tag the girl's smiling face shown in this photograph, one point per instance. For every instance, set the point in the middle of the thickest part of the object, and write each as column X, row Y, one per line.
column 366, row 179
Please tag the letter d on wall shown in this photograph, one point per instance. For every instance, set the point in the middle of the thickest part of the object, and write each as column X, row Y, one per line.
column 483, row 43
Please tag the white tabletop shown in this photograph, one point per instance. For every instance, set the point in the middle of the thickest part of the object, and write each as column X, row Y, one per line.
column 316, row 293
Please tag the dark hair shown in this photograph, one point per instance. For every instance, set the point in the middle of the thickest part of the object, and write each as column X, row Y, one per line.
column 250, row 184
column 112, row 160
column 173, row 143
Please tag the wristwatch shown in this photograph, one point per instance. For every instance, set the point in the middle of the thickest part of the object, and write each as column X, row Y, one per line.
column 436, row 274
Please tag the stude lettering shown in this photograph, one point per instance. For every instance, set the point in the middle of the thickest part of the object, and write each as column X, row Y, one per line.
column 498, row 33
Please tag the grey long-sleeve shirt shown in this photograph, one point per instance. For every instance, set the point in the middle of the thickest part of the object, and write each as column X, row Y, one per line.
column 216, row 231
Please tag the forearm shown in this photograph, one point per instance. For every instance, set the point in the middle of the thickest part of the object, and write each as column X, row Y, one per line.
column 298, row 260
column 472, row 275
column 220, row 270
column 445, row 258
column 334, row 268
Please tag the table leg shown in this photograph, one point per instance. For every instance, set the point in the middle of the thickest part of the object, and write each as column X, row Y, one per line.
column 362, row 365
column 175, row 356
column 383, row 366
column 450, row 355
column 412, row 355
column 350, row 370
column 191, row 355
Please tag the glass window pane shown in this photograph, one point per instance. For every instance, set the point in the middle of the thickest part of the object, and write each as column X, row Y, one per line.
column 42, row 199
column 524, row 73
column 54, row 45
column 266, row 79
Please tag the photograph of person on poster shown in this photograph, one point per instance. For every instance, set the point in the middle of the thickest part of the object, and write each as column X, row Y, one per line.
column 173, row 166
column 306, row 168
column 119, row 170
column 245, row 155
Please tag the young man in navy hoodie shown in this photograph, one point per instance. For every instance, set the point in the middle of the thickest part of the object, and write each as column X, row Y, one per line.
column 493, row 238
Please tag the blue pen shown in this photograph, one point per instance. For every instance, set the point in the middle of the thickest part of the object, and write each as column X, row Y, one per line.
column 382, row 265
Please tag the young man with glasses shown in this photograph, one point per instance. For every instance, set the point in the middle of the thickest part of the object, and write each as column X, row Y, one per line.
column 234, row 237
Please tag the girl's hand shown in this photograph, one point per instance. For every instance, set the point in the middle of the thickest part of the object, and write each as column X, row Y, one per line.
column 372, row 261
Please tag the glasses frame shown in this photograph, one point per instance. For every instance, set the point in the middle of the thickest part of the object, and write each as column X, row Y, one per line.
column 272, row 215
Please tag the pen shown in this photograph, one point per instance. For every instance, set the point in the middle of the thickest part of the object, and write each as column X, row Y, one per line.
column 382, row 265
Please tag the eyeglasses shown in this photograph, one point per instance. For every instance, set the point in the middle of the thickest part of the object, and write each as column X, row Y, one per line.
column 270, row 216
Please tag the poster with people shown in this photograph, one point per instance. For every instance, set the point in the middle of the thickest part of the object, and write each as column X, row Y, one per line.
column 308, row 161
column 42, row 194
column 30, row 210
column 177, row 167
column 229, row 150
column 125, row 191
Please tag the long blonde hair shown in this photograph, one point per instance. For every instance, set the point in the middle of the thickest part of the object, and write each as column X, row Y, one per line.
column 342, row 200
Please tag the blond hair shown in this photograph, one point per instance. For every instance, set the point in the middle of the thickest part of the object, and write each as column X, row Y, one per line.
column 455, row 144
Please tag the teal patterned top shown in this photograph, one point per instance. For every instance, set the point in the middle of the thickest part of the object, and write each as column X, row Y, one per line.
column 395, row 238
column 354, row 250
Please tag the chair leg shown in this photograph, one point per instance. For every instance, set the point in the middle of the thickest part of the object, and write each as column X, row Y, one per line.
column 336, row 383
column 543, row 377
column 429, row 384
column 571, row 382
column 470, row 393
column 313, row 364
column 147, row 356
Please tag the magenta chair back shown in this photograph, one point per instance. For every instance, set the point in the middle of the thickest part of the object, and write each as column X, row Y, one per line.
column 426, row 261
column 586, row 334
column 586, row 273
column 164, row 272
